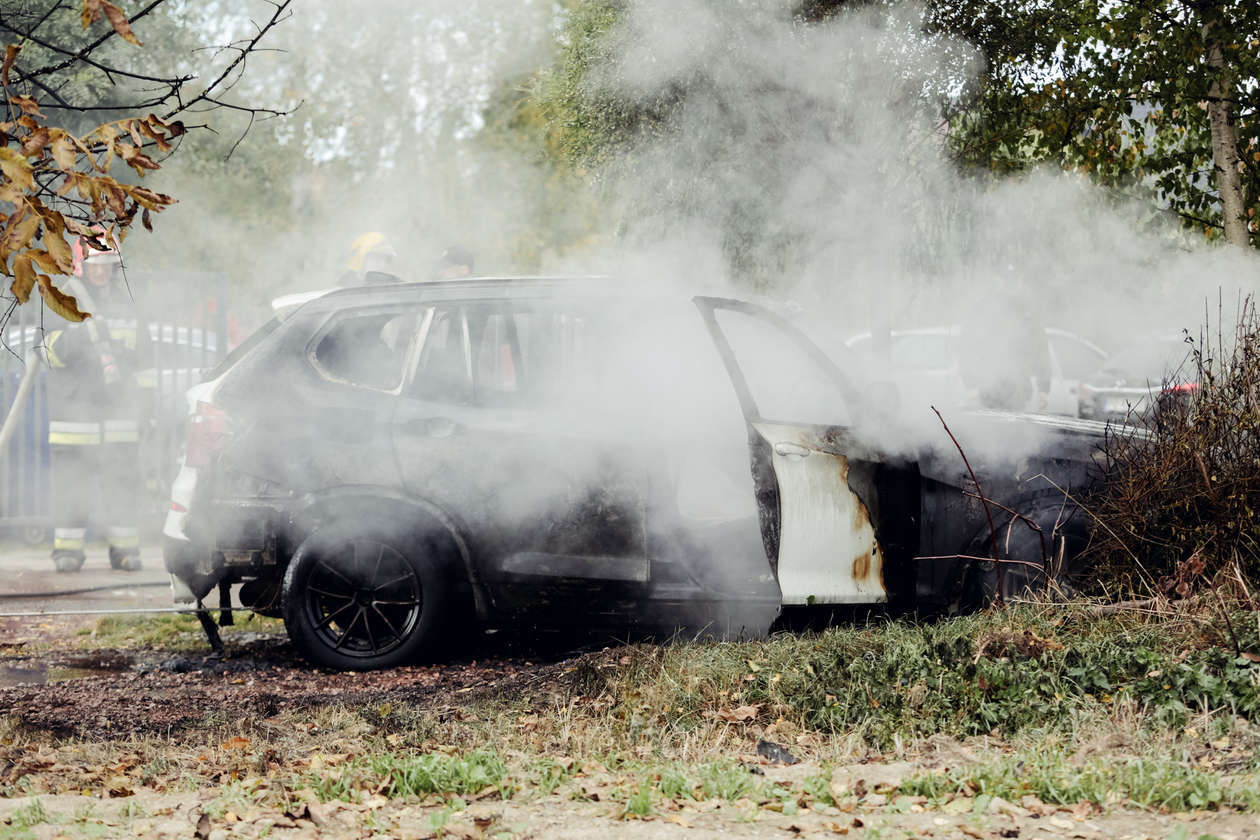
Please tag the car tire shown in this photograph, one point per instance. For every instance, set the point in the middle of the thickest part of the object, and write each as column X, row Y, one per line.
column 1024, row 562
column 366, row 598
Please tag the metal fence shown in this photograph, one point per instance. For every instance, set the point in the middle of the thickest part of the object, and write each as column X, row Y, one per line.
column 189, row 328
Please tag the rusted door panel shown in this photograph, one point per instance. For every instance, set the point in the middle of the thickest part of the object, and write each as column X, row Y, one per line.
column 820, row 535
column 828, row 553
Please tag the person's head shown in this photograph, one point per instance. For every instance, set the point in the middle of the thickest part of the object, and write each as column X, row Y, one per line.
column 373, row 259
column 98, row 267
column 100, row 272
column 456, row 262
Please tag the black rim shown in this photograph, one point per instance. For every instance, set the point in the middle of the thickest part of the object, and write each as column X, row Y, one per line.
column 363, row 599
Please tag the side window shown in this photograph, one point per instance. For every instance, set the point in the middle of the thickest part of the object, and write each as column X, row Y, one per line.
column 1077, row 360
column 366, row 349
column 786, row 382
column 444, row 372
column 528, row 354
column 496, row 355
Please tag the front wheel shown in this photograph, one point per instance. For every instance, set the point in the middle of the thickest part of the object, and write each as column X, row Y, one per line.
column 364, row 600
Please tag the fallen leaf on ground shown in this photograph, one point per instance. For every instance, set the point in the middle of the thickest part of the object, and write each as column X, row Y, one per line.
column 739, row 714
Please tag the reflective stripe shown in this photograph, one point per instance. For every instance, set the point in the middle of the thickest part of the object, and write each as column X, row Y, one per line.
column 69, row 539
column 122, row 431
column 54, row 360
column 64, row 433
column 120, row 536
column 147, row 378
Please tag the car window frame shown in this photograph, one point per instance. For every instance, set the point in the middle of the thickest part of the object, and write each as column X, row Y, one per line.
column 340, row 316
column 709, row 306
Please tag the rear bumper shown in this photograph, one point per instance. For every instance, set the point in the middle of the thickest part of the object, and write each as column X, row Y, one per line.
column 191, row 564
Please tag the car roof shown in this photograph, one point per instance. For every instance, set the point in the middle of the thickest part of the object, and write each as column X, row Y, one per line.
column 490, row 288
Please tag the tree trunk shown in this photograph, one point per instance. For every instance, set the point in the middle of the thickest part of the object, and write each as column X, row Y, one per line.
column 1225, row 140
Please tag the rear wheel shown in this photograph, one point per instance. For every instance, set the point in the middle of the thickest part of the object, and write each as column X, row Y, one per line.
column 364, row 600
column 1034, row 564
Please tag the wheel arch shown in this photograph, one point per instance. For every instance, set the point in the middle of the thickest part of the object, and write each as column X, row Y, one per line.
column 369, row 502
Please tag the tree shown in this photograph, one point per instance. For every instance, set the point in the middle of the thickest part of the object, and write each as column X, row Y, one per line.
column 59, row 172
column 1155, row 96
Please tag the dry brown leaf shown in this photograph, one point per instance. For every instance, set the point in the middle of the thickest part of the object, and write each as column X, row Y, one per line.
column 91, row 13
column 16, row 168
column 739, row 714
column 27, row 104
column 58, row 301
column 63, row 150
column 237, row 742
column 119, row 21
column 60, row 251
column 23, row 278
column 10, row 55
column 46, row 263
column 36, row 141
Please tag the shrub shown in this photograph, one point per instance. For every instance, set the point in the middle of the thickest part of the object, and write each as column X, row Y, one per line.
column 1182, row 487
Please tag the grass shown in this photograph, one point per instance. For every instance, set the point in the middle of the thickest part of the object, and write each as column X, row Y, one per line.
column 392, row 775
column 1000, row 673
column 1150, row 783
column 170, row 631
column 1056, row 702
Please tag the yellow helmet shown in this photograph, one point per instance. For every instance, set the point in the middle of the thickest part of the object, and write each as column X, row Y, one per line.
column 364, row 245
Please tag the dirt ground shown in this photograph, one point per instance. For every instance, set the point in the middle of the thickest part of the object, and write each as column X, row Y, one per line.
column 113, row 741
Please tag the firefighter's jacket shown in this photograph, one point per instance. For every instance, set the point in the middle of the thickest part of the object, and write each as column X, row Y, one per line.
column 99, row 388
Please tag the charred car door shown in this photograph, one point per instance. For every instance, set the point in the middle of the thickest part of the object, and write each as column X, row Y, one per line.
column 489, row 431
column 818, row 491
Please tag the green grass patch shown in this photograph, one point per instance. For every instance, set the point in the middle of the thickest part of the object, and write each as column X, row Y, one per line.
column 1003, row 672
column 414, row 776
column 168, row 631
column 1148, row 783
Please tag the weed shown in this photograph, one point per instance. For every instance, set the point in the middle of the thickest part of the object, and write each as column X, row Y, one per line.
column 725, row 780
column 30, row 815
column 1052, row 778
column 639, row 802
column 414, row 776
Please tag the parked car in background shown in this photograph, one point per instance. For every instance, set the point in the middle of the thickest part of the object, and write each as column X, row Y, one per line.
column 924, row 364
column 1146, row 373
column 382, row 466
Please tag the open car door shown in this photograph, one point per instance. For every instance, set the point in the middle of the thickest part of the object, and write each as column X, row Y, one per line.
column 819, row 531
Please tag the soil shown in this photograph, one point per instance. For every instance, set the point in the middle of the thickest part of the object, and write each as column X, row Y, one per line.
column 155, row 693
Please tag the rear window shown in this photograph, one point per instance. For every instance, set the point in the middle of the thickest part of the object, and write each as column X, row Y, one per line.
column 244, row 347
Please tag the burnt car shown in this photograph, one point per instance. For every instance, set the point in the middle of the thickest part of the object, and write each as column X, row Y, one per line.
column 385, row 467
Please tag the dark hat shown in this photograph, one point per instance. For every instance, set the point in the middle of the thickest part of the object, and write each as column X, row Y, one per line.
column 455, row 255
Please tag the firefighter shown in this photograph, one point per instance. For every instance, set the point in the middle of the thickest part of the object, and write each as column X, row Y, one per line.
column 372, row 261
column 96, row 403
column 456, row 262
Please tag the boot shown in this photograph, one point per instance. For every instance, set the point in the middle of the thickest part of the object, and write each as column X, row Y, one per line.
column 68, row 561
column 125, row 559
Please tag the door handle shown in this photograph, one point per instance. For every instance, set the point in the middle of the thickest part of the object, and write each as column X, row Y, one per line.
column 790, row 450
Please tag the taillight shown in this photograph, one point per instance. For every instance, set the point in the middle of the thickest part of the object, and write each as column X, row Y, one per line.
column 207, row 429
column 1182, row 388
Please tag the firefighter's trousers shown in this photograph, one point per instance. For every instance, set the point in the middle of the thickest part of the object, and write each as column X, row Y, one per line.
column 95, row 469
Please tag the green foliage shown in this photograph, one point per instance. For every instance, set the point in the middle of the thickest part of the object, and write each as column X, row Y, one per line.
column 1053, row 778
column 1006, row 672
column 1116, row 90
column 413, row 776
